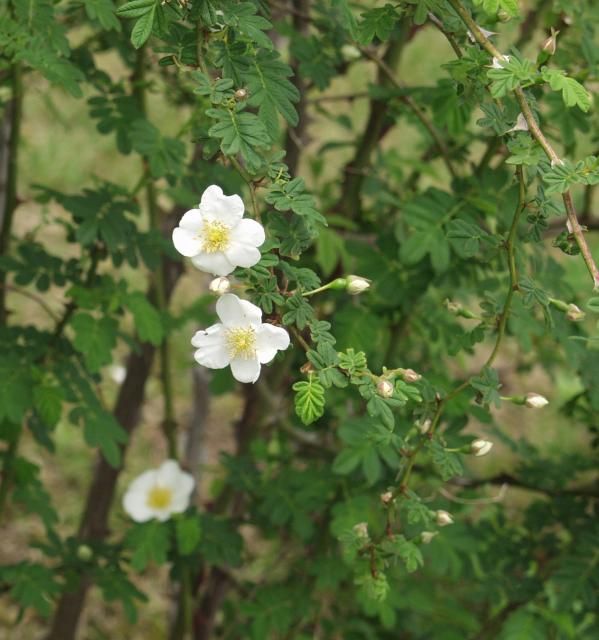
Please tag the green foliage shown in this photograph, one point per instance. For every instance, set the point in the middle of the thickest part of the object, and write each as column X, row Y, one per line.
column 309, row 400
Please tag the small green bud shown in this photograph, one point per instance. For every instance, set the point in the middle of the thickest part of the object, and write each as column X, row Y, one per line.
column 85, row 553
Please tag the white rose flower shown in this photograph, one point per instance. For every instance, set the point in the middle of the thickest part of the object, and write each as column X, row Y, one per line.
column 480, row 447
column 443, row 518
column 158, row 493
column 240, row 340
column 216, row 236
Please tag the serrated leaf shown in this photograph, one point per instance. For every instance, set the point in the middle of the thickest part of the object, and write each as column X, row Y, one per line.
column 309, row 400
column 149, row 542
column 135, row 8
column 143, row 28
column 148, row 323
column 94, row 338
column 447, row 463
column 188, row 530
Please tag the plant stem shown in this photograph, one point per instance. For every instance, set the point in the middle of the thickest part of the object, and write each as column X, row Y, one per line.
column 538, row 135
column 12, row 132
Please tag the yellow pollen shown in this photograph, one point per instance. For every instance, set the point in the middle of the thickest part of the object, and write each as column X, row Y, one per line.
column 241, row 343
column 159, row 497
column 215, row 237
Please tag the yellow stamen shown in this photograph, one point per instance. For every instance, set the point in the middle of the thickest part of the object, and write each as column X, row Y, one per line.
column 159, row 497
column 241, row 343
column 215, row 237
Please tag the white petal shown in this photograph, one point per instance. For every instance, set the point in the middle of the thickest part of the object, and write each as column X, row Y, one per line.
column 215, row 263
column 168, row 474
column 183, row 490
column 242, row 255
column 217, row 206
column 245, row 370
column 186, row 242
column 248, row 232
column 212, row 348
column 234, row 312
column 192, row 220
column 269, row 340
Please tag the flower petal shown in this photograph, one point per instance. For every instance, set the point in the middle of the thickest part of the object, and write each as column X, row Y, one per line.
column 168, row 474
column 193, row 220
column 212, row 347
column 186, row 242
column 269, row 340
column 217, row 206
column 215, row 263
column 183, row 491
column 242, row 255
column 234, row 312
column 245, row 369
column 248, row 232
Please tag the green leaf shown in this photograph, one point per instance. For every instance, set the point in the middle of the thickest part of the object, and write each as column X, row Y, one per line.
column 148, row 323
column 299, row 311
column 188, row 530
column 573, row 93
column 95, row 339
column 143, row 28
column 149, row 542
column 487, row 384
column 378, row 22
column 240, row 132
column 522, row 625
column 31, row 585
column 398, row 546
column 309, row 399
column 292, row 196
column 15, row 388
column 465, row 237
column 447, row 463
column 103, row 431
column 48, row 403
column 136, row 8
column 271, row 91
column 103, row 12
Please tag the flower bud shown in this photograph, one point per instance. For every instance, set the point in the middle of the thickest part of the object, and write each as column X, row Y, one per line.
column 241, row 94
column 409, row 375
column 424, row 426
column 574, row 313
column 220, row 285
column 84, row 553
column 443, row 518
column 357, row 285
column 427, row 536
column 480, row 447
column 550, row 45
column 503, row 16
column 386, row 497
column 361, row 530
column 384, row 388
column 350, row 53
column 535, row 401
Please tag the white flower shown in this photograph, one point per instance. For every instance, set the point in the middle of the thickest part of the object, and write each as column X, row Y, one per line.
column 480, row 447
column 496, row 62
column 535, row 401
column 216, row 237
column 158, row 493
column 240, row 339
column 220, row 285
column 443, row 518
column 361, row 530
column 118, row 373
column 521, row 124
column 357, row 285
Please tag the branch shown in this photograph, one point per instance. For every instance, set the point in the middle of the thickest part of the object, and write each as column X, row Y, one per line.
column 538, row 135
column 590, row 491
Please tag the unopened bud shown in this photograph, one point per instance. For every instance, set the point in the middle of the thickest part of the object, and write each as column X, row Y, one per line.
column 427, row 536
column 350, row 53
column 384, row 388
column 574, row 313
column 424, row 426
column 535, row 401
column 220, row 285
column 458, row 310
column 357, row 285
column 480, row 447
column 443, row 518
column 386, row 497
column 550, row 45
column 85, row 553
column 503, row 16
column 409, row 375
column 361, row 530
column 241, row 94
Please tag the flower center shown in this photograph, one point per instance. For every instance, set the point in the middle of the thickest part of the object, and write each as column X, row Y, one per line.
column 215, row 237
column 159, row 497
column 241, row 343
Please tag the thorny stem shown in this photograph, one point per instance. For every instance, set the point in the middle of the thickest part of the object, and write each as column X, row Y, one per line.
column 169, row 424
column 538, row 135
